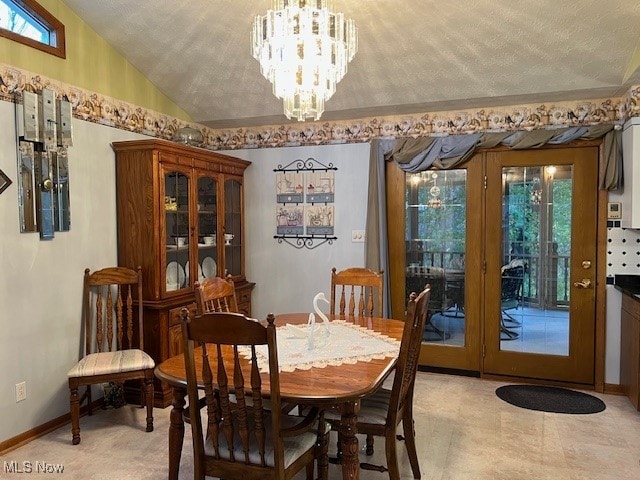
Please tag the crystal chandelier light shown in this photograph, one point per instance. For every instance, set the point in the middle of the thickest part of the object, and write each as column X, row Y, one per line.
column 303, row 49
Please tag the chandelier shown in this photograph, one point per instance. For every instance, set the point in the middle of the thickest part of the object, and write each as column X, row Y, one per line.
column 303, row 49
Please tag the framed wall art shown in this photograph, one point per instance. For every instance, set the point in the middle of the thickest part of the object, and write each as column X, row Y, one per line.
column 305, row 193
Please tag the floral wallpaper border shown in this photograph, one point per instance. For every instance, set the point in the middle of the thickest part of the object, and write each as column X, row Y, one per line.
column 97, row 108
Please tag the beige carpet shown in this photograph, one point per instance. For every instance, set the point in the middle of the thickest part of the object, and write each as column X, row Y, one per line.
column 464, row 432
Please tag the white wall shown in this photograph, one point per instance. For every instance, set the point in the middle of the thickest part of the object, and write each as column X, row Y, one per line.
column 287, row 278
column 41, row 281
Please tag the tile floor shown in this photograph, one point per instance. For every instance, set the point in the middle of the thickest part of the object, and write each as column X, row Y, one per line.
column 464, row 432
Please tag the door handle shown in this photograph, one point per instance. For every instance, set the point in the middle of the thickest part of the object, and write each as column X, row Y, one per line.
column 585, row 283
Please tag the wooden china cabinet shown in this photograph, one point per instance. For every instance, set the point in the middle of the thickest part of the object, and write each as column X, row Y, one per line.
column 180, row 217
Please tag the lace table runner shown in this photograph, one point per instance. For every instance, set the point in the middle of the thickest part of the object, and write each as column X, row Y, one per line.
column 345, row 343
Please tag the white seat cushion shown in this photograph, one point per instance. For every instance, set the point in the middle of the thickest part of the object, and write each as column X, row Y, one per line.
column 111, row 362
column 373, row 409
column 294, row 446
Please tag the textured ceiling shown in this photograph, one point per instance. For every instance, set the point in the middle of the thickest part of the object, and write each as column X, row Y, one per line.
column 414, row 55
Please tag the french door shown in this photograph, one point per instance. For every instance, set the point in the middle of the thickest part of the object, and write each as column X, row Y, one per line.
column 539, row 309
column 508, row 244
column 434, row 238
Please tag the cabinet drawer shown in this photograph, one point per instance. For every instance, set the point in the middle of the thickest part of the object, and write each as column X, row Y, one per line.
column 174, row 313
column 243, row 296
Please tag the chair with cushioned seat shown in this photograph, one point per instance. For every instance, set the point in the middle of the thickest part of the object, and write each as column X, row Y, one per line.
column 242, row 439
column 381, row 413
column 114, row 340
column 357, row 291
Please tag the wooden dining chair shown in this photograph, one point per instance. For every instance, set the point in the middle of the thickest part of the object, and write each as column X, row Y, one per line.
column 215, row 294
column 114, row 340
column 242, row 439
column 381, row 413
column 357, row 292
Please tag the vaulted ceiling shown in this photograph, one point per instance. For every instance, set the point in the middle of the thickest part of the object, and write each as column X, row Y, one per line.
column 414, row 55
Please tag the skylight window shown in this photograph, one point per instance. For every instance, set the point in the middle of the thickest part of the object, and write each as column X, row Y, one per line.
column 27, row 22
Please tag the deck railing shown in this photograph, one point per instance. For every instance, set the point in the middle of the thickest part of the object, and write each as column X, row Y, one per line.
column 545, row 285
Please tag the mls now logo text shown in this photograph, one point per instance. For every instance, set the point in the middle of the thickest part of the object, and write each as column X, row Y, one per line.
column 32, row 467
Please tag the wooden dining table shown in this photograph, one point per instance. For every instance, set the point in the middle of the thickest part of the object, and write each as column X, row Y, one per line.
column 340, row 387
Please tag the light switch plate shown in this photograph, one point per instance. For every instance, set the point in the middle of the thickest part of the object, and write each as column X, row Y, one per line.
column 357, row 236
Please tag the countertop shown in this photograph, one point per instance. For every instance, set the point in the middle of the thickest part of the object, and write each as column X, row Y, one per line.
column 629, row 284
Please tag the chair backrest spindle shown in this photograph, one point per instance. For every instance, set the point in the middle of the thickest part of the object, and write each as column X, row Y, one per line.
column 360, row 292
column 109, row 301
column 215, row 294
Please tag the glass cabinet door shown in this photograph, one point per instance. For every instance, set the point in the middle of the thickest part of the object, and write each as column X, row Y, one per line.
column 232, row 234
column 176, row 205
column 207, row 229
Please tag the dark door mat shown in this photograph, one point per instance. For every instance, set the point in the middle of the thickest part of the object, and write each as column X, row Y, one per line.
column 550, row 399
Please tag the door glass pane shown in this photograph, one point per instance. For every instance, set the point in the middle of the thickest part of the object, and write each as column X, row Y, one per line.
column 436, row 209
column 207, row 228
column 536, row 246
column 176, row 187
column 233, row 227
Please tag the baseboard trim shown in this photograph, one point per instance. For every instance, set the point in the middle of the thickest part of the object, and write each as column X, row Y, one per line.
column 22, row 439
column 613, row 389
column 449, row 371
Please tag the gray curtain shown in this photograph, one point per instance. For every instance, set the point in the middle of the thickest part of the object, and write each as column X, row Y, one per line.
column 376, row 246
column 419, row 154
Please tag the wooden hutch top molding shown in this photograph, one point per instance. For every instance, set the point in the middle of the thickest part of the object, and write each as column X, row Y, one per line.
column 187, row 155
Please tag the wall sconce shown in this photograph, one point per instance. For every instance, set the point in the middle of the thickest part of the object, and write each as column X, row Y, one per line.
column 43, row 131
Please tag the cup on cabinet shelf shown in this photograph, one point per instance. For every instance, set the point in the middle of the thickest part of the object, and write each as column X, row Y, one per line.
column 181, row 241
column 209, row 240
column 227, row 238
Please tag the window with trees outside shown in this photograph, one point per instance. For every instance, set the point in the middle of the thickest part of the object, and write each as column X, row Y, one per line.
column 27, row 22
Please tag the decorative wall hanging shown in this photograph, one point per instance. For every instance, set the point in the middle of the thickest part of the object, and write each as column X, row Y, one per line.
column 304, row 192
column 4, row 181
column 43, row 130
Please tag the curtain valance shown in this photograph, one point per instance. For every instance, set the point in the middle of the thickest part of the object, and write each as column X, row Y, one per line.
column 418, row 154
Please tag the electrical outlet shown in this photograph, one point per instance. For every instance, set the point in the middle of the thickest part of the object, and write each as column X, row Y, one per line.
column 357, row 236
column 21, row 391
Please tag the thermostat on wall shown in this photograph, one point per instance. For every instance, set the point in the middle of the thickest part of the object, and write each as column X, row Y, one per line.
column 614, row 210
